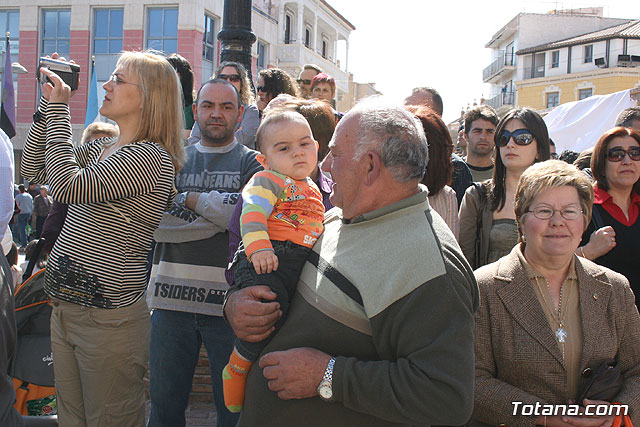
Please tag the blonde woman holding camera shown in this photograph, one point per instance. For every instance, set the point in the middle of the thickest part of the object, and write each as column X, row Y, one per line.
column 117, row 189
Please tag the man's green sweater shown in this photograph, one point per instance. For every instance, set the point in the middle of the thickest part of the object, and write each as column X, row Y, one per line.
column 391, row 296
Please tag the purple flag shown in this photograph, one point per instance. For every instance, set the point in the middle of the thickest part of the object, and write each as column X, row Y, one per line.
column 8, row 110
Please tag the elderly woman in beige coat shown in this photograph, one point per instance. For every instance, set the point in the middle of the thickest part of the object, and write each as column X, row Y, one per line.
column 548, row 318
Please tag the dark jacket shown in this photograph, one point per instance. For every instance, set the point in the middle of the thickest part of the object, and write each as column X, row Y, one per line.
column 53, row 224
column 461, row 178
column 41, row 207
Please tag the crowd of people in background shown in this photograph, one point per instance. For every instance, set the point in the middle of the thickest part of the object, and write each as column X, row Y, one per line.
column 205, row 205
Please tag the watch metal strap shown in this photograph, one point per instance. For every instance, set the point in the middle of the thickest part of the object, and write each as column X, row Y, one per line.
column 328, row 373
column 182, row 198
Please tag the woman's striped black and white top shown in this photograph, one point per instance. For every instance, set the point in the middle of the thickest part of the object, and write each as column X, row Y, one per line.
column 100, row 257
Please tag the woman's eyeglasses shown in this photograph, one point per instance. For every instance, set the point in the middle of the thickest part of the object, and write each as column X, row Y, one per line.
column 117, row 80
column 520, row 136
column 235, row 78
column 546, row 213
column 617, row 154
column 261, row 89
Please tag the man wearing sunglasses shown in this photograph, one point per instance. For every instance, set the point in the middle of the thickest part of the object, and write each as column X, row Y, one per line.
column 309, row 71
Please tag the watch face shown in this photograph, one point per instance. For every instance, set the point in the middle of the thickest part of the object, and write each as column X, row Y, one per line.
column 325, row 391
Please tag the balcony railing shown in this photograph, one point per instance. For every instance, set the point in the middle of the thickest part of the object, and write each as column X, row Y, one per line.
column 504, row 62
column 533, row 72
column 505, row 98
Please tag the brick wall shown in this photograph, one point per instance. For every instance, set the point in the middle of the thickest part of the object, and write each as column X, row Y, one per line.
column 79, row 51
column 190, row 46
column 132, row 39
column 27, row 90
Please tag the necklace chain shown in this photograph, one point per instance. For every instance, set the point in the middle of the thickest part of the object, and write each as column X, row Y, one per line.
column 560, row 332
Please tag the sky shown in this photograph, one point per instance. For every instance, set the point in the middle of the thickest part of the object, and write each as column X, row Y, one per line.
column 402, row 44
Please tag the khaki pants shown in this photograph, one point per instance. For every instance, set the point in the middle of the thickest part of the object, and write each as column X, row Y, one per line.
column 99, row 360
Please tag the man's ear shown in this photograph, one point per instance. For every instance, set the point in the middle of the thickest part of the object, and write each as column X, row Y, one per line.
column 263, row 160
column 240, row 111
column 373, row 165
column 195, row 109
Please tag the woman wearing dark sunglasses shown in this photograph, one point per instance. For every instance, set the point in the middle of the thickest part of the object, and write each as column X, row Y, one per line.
column 488, row 228
column 271, row 83
column 236, row 74
column 613, row 236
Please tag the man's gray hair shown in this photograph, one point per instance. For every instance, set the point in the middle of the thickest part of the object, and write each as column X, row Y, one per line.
column 627, row 116
column 313, row 67
column 396, row 135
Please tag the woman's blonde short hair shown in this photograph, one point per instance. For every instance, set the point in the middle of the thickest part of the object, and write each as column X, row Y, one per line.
column 98, row 129
column 161, row 119
column 542, row 176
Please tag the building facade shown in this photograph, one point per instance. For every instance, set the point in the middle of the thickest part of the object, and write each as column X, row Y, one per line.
column 526, row 30
column 356, row 92
column 596, row 63
column 289, row 34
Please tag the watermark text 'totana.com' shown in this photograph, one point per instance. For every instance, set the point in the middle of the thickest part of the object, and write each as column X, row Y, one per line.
column 537, row 409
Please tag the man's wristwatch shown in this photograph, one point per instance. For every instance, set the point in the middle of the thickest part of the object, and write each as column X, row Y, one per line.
column 181, row 198
column 325, row 389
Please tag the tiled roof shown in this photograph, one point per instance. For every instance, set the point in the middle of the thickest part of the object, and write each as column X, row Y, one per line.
column 628, row 30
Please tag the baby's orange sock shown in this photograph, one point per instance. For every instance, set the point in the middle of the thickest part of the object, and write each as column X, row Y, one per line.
column 234, row 377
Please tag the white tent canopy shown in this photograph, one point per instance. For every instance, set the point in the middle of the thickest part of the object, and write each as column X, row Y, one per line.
column 578, row 125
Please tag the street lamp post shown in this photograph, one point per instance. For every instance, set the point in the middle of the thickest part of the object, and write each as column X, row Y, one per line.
column 236, row 36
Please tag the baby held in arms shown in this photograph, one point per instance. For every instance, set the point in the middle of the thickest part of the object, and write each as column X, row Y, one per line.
column 281, row 219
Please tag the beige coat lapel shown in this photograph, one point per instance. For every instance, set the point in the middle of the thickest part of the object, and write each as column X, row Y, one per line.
column 521, row 302
column 595, row 291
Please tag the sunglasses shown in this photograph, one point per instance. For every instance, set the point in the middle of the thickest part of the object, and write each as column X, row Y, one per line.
column 304, row 81
column 617, row 154
column 520, row 137
column 261, row 88
column 230, row 77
